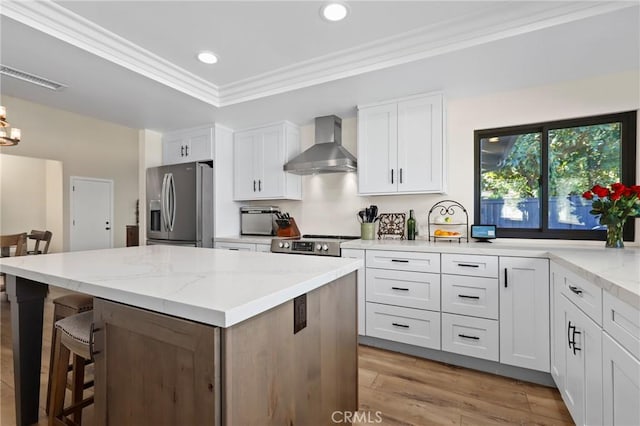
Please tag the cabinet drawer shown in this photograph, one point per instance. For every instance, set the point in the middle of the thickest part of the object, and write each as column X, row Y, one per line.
column 468, row 264
column 477, row 337
column 472, row 296
column 403, row 288
column 235, row 246
column 406, row 325
column 585, row 295
column 403, row 261
column 622, row 322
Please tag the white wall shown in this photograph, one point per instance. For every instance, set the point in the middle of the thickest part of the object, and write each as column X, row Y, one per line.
column 31, row 194
column 86, row 147
column 330, row 202
column 149, row 155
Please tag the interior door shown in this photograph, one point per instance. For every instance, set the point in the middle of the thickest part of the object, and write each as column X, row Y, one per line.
column 91, row 213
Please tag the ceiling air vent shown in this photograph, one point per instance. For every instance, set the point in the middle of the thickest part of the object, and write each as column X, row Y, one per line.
column 30, row 78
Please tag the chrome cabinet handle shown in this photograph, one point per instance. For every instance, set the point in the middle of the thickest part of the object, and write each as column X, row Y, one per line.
column 401, row 175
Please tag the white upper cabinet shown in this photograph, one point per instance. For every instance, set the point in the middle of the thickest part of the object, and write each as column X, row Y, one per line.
column 258, row 159
column 401, row 146
column 188, row 145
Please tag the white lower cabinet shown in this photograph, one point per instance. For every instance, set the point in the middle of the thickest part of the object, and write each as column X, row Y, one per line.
column 621, row 378
column 580, row 352
column 264, row 248
column 413, row 326
column 476, row 337
column 472, row 296
column 235, row 246
column 524, row 312
column 359, row 254
column 404, row 288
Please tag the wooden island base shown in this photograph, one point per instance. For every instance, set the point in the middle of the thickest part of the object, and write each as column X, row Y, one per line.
column 156, row 369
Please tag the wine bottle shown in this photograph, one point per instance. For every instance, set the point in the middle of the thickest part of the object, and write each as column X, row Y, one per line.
column 411, row 226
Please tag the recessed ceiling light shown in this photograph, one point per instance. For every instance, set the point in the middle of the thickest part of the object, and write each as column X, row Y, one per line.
column 207, row 57
column 334, row 11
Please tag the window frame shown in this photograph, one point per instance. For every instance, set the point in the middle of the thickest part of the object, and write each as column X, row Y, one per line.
column 628, row 173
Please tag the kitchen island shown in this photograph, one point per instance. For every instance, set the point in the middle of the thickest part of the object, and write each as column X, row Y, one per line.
column 187, row 335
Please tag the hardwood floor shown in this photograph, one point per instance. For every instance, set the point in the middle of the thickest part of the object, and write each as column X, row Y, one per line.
column 395, row 389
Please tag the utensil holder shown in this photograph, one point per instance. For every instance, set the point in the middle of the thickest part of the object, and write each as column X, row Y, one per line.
column 289, row 231
column 368, row 231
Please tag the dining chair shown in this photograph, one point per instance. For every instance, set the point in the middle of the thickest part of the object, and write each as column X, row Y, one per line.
column 40, row 236
column 19, row 241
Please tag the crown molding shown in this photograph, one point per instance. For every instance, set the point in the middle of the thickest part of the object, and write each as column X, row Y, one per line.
column 492, row 23
column 59, row 22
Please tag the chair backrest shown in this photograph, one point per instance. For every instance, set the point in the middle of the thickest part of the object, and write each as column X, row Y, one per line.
column 39, row 236
column 17, row 240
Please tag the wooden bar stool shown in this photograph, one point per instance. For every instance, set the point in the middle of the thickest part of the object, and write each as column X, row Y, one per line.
column 65, row 306
column 74, row 337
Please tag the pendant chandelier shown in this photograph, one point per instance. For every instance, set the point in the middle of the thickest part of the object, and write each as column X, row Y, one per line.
column 9, row 136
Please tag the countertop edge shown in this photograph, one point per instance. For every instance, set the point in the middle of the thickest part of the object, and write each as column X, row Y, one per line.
column 626, row 295
column 164, row 305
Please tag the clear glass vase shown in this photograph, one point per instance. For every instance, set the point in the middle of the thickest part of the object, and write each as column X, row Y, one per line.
column 614, row 235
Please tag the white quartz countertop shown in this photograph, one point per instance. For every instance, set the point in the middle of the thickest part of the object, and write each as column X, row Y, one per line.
column 250, row 239
column 216, row 287
column 615, row 270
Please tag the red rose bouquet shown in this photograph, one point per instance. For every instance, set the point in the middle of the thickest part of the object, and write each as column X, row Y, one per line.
column 614, row 205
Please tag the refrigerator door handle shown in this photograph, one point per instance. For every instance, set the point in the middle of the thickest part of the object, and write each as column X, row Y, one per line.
column 164, row 201
column 172, row 186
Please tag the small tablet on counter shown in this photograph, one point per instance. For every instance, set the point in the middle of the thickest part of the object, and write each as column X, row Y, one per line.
column 483, row 233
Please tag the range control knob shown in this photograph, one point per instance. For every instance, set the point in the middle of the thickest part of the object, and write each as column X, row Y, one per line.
column 286, row 245
column 325, row 247
column 318, row 247
column 280, row 244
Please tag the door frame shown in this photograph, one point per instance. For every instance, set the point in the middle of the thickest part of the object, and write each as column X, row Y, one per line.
column 72, row 180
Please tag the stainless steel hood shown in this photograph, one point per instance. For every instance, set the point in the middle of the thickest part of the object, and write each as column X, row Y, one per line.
column 327, row 155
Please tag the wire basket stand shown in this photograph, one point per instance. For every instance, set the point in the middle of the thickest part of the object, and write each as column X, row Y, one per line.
column 453, row 215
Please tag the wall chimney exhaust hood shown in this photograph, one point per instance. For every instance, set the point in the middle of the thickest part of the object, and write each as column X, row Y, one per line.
column 327, row 155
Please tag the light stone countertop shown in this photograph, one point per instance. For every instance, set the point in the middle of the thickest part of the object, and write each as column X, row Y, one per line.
column 216, row 287
column 615, row 270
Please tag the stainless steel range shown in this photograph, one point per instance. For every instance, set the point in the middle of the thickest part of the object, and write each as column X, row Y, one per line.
column 318, row 245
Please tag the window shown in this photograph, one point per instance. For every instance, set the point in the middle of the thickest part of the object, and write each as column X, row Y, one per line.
column 530, row 178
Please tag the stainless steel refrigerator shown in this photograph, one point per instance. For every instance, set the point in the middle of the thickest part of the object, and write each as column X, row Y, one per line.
column 180, row 204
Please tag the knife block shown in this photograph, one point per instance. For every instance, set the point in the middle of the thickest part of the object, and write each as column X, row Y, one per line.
column 289, row 231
